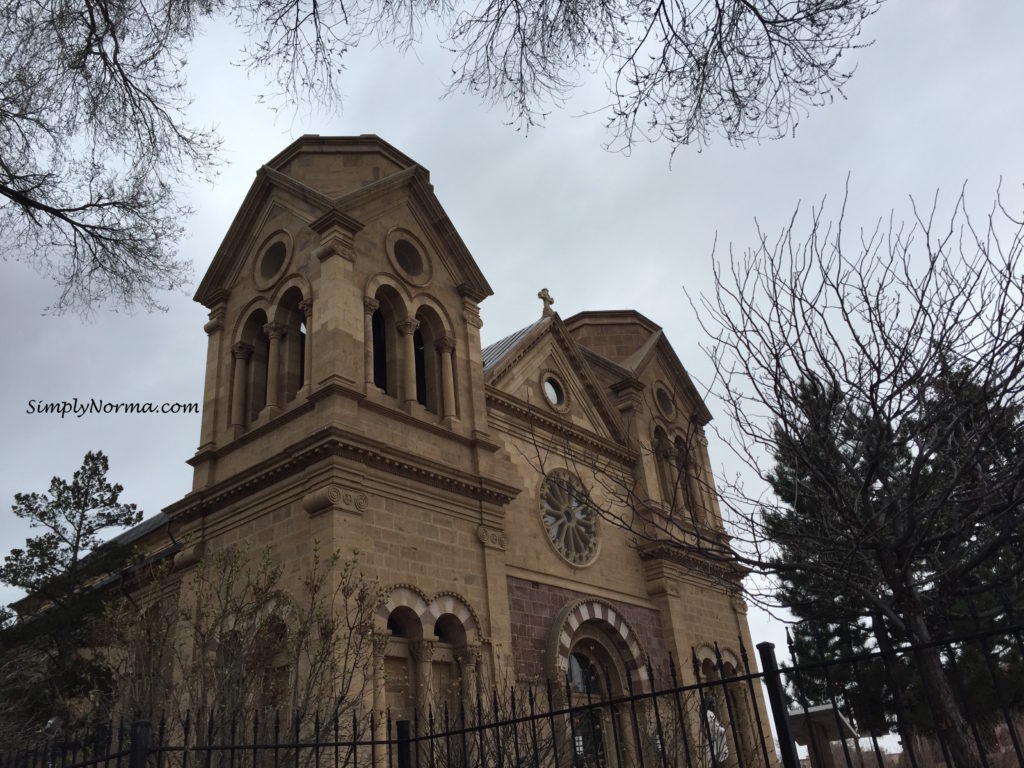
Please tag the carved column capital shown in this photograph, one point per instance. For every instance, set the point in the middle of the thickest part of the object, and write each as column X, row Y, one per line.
column 421, row 650
column 379, row 639
column 445, row 345
column 370, row 305
column 471, row 656
column 275, row 330
column 306, row 307
column 408, row 326
column 241, row 351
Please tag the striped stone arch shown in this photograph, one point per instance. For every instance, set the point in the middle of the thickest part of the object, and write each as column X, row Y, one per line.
column 706, row 652
column 453, row 603
column 402, row 595
column 428, row 611
column 614, row 626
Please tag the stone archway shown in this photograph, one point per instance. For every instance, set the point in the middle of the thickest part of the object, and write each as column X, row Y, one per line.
column 617, row 630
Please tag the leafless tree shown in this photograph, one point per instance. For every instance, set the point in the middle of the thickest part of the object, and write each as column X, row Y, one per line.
column 873, row 386
column 94, row 144
column 875, row 383
column 234, row 639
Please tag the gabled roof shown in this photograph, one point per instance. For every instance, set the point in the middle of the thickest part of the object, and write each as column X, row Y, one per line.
column 401, row 172
column 654, row 345
column 501, row 358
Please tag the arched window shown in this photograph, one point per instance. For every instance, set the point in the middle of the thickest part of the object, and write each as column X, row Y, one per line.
column 293, row 344
column 252, row 389
column 738, row 698
column 401, row 678
column 388, row 313
column 429, row 360
column 731, row 703
column 664, row 458
column 583, row 675
column 447, row 668
column 592, row 668
column 588, row 733
column 687, row 481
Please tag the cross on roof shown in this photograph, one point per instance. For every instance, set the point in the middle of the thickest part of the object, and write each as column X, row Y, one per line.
column 544, row 296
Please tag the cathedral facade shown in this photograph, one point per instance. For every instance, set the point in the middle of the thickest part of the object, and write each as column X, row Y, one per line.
column 533, row 509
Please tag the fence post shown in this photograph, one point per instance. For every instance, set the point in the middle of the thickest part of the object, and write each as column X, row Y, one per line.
column 140, row 744
column 404, row 751
column 777, row 699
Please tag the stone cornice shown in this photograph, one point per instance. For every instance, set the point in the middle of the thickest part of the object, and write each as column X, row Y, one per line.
column 533, row 415
column 335, row 441
column 707, row 565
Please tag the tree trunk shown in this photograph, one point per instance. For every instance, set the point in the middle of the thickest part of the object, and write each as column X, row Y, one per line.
column 951, row 727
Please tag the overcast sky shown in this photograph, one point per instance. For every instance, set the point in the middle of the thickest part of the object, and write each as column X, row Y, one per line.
column 936, row 101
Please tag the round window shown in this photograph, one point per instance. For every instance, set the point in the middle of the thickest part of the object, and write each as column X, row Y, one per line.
column 272, row 260
column 553, row 391
column 569, row 517
column 408, row 257
column 664, row 401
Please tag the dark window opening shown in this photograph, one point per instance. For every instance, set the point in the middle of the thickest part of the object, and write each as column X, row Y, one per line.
column 421, row 367
column 302, row 355
column 380, row 351
column 395, row 627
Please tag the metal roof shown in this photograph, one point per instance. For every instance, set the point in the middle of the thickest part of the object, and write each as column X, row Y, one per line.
column 135, row 533
column 493, row 354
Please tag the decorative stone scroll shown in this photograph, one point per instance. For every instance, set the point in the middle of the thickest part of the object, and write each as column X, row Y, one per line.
column 491, row 538
column 189, row 556
column 332, row 497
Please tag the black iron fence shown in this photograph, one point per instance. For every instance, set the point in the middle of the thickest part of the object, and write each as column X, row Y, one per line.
column 861, row 711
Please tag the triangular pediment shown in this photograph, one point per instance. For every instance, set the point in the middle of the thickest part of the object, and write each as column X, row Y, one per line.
column 323, row 186
column 659, row 363
column 637, row 347
column 545, row 351
column 409, row 196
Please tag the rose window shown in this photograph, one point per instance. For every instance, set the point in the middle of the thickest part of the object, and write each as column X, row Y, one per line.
column 569, row 517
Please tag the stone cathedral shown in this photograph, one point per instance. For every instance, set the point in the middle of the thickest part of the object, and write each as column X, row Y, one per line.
column 517, row 501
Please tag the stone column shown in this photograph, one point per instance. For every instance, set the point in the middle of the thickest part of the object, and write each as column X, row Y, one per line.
column 445, row 347
column 241, row 352
column 423, row 655
column 215, row 337
column 380, row 702
column 707, row 480
column 216, row 399
column 306, row 307
column 275, row 332
column 369, row 307
column 407, row 328
column 470, row 675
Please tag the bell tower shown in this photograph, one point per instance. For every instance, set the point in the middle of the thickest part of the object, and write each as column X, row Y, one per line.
column 341, row 296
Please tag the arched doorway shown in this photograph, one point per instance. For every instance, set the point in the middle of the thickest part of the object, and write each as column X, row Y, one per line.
column 596, row 652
